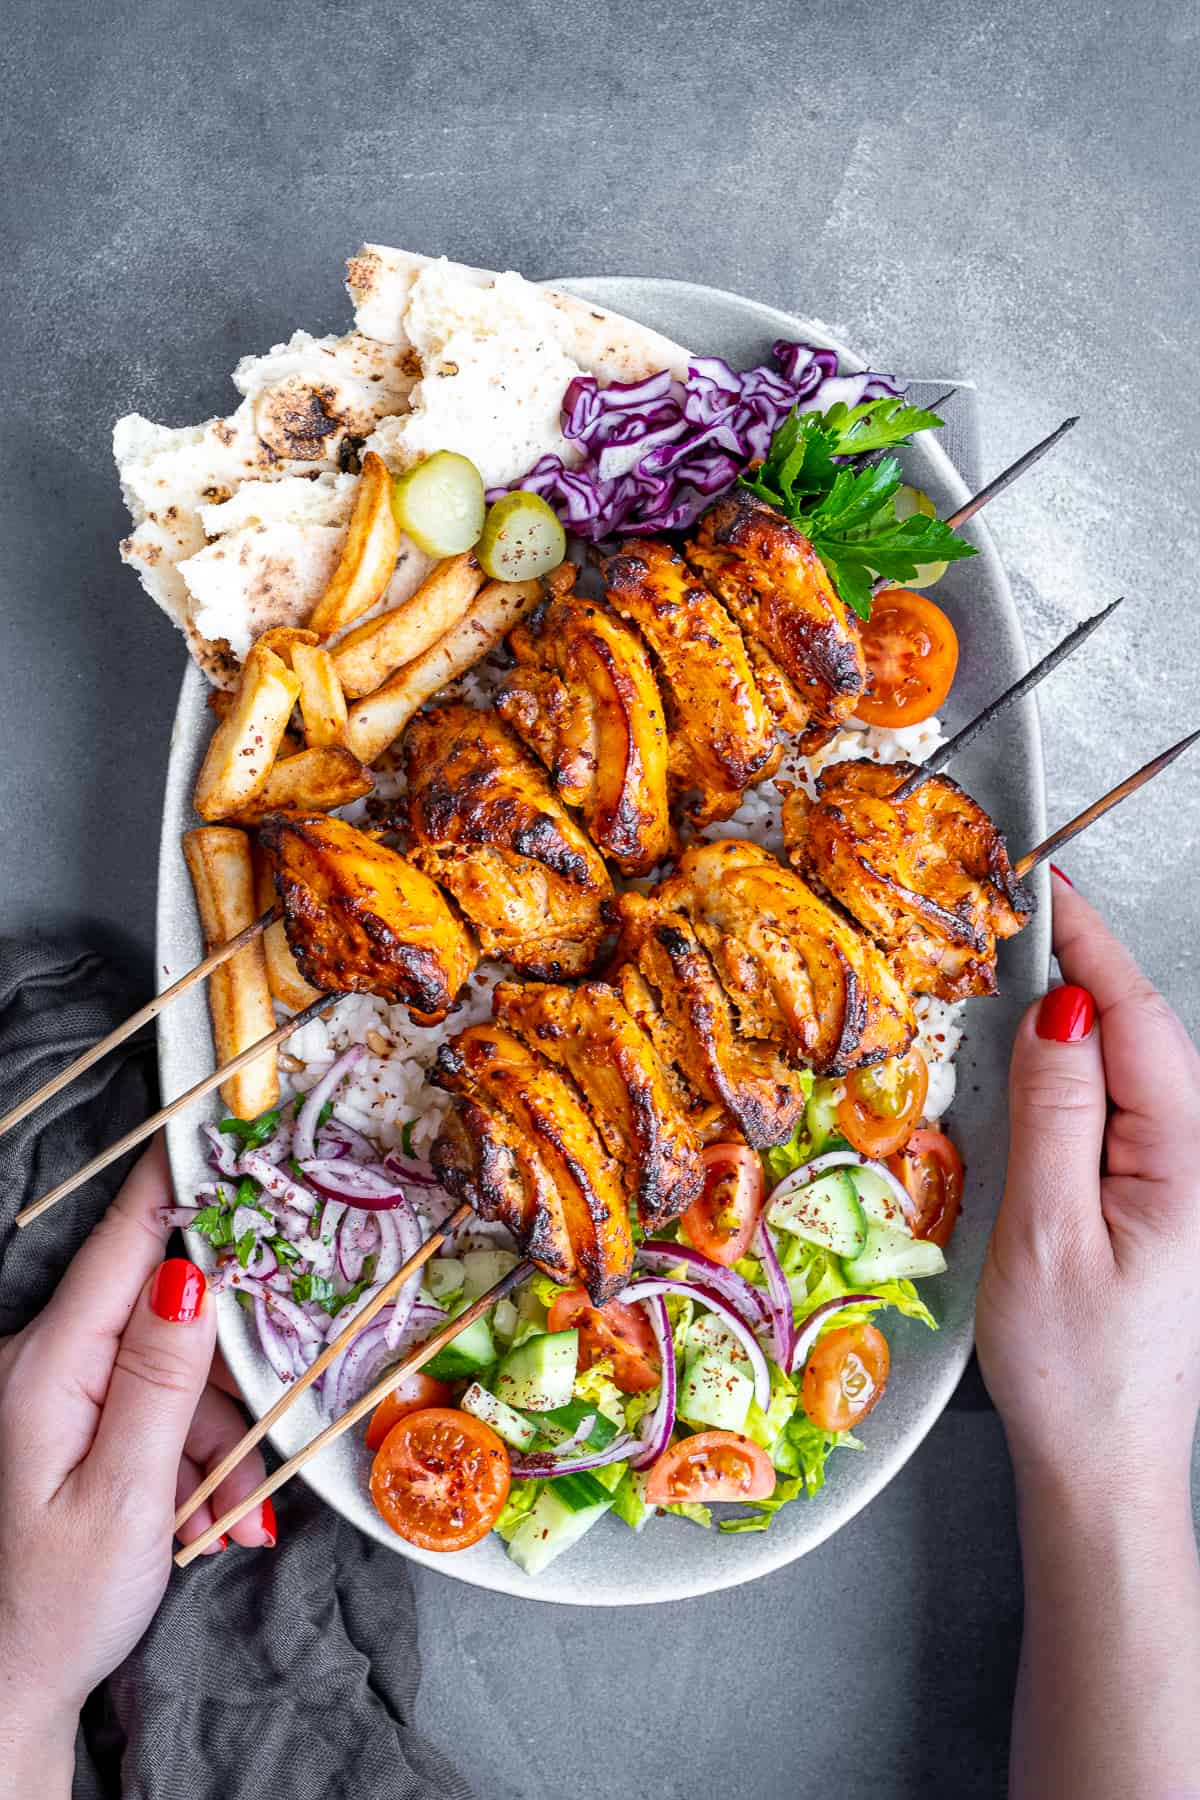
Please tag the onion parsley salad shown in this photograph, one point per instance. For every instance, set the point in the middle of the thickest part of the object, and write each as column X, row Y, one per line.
column 743, row 1353
column 746, row 1347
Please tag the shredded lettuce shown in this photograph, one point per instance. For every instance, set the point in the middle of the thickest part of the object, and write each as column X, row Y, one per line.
column 597, row 1387
column 521, row 1498
column 691, row 1509
column 629, row 1501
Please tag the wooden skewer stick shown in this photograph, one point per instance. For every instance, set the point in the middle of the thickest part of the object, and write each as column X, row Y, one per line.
column 370, row 1400
column 1098, row 808
column 344, row 1339
column 151, row 1010
column 1007, row 476
column 1025, row 685
column 149, row 1126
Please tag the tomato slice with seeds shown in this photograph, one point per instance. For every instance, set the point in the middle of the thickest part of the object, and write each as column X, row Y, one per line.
column 713, row 1465
column 882, row 1104
column 932, row 1170
column 440, row 1479
column 721, row 1221
column 912, row 652
column 845, row 1377
column 617, row 1331
column 413, row 1395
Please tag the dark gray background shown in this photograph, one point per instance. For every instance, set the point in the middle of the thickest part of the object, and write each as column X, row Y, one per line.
column 1007, row 193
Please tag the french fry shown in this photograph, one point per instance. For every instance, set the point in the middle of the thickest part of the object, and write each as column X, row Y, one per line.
column 284, row 640
column 221, row 702
column 369, row 655
column 377, row 721
column 244, row 744
column 322, row 702
column 239, row 999
column 286, row 982
column 315, row 781
column 368, row 557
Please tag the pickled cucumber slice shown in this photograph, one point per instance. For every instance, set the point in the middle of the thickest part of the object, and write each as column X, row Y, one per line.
column 521, row 539
column 439, row 504
column 910, row 500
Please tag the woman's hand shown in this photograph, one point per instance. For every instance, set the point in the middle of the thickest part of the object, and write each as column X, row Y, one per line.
column 108, row 1418
column 1089, row 1339
column 1089, row 1310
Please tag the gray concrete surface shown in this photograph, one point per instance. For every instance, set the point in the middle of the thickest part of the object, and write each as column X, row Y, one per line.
column 1005, row 192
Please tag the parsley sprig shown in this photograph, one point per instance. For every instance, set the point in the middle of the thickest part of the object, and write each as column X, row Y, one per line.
column 847, row 510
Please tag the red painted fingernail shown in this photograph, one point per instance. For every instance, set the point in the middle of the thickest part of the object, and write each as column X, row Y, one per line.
column 269, row 1525
column 178, row 1291
column 1055, row 870
column 1066, row 1015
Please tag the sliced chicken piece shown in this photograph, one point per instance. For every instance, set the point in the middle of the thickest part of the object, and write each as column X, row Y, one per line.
column 799, row 973
column 927, row 877
column 502, row 1074
column 588, row 1033
column 695, row 1029
column 481, row 1157
column 804, row 642
column 721, row 730
column 584, row 698
column 485, row 823
column 360, row 919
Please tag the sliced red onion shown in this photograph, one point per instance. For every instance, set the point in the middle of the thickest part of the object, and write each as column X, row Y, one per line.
column 336, row 1140
column 642, row 1290
column 295, row 1316
column 356, row 1368
column 220, row 1191
column 223, row 1150
column 418, row 1174
column 278, row 1182
column 656, row 1427
column 230, row 1274
column 279, row 1144
column 841, row 1159
column 408, row 1242
column 783, row 1330
column 262, row 1262
column 305, row 1140
column 178, row 1218
column 553, row 1462
column 357, row 1238
column 249, row 1218
column 660, row 1255
column 809, row 1332
column 277, row 1343
column 369, row 1186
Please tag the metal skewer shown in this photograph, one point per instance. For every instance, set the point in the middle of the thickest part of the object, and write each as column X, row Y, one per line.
column 1010, row 696
column 149, row 1126
column 1098, row 808
column 369, row 1401
column 136, row 1020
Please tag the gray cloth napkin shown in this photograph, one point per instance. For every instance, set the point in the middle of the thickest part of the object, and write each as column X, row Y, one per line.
column 289, row 1672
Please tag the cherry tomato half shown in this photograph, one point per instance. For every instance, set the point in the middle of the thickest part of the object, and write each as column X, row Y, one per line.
column 932, row 1171
column 713, row 1465
column 845, row 1376
column 440, row 1479
column 721, row 1221
column 413, row 1395
column 912, row 653
column 620, row 1332
column 881, row 1105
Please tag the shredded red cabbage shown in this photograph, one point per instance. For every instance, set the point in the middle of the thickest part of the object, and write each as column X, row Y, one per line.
column 653, row 453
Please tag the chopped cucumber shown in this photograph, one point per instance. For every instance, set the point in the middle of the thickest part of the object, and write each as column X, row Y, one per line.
column 444, row 1276
column 820, row 1113
column 629, row 1502
column 521, row 538
column 462, row 1358
column 503, row 1420
column 564, row 1421
column 825, row 1212
column 559, row 1518
column 713, row 1392
column 440, row 504
column 893, row 1256
column 708, row 1333
column 482, row 1269
column 878, row 1201
column 505, row 1320
column 539, row 1375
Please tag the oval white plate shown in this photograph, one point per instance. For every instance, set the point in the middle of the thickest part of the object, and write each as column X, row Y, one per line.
column 672, row 1560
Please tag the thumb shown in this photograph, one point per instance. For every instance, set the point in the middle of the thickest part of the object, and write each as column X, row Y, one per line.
column 158, row 1376
column 1057, row 1115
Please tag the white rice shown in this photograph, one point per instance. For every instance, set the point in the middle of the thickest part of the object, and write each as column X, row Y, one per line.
column 388, row 1090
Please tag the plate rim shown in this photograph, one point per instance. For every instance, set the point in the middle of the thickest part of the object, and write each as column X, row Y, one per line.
column 498, row 1574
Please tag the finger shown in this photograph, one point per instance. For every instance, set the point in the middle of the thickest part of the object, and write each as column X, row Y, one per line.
column 216, row 1428
column 219, row 1377
column 190, row 1475
column 157, row 1379
column 1057, row 1112
column 1149, row 1060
